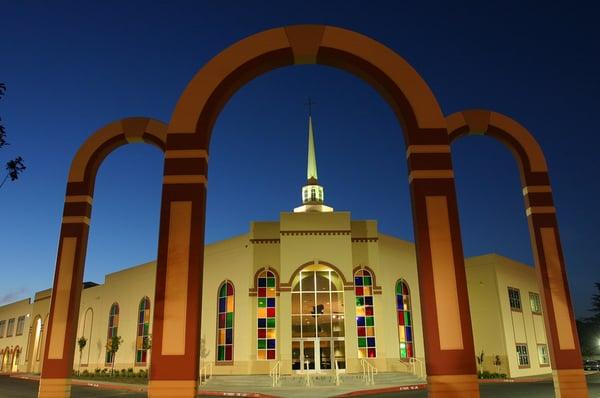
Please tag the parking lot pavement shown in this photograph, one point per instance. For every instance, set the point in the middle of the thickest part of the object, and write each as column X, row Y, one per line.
column 17, row 388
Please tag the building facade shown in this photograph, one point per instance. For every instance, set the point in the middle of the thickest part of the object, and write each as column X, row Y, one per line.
column 315, row 290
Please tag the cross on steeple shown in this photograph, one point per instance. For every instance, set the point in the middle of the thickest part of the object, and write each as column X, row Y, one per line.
column 309, row 103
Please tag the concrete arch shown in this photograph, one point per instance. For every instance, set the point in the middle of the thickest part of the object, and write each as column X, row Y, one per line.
column 559, row 317
column 397, row 81
column 437, row 231
column 523, row 145
column 61, row 327
column 94, row 150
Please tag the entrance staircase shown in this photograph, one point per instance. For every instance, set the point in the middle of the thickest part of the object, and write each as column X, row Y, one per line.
column 262, row 382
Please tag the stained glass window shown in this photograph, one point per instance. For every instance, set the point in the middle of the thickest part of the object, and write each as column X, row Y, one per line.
column 225, row 322
column 113, row 325
column 405, row 322
column 365, row 315
column 143, row 332
column 266, row 315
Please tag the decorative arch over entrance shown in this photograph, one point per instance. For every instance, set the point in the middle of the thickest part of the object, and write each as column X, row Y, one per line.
column 59, row 346
column 560, row 324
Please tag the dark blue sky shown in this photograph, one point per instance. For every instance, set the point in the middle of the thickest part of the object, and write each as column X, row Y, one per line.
column 72, row 68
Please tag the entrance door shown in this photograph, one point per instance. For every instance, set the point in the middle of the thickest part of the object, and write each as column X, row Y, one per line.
column 317, row 320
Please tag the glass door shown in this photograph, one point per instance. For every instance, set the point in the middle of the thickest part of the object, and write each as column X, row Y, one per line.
column 318, row 320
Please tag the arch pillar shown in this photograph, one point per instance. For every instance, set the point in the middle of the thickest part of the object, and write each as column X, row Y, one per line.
column 449, row 349
column 561, row 331
column 174, row 367
column 565, row 352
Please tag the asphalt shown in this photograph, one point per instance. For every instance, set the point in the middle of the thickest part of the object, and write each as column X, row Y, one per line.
column 16, row 388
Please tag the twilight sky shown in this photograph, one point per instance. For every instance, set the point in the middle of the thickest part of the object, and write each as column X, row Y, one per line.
column 72, row 68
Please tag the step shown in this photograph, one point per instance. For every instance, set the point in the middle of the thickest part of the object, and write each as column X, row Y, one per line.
column 316, row 379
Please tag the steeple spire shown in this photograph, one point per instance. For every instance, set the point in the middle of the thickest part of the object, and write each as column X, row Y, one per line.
column 311, row 169
column 313, row 194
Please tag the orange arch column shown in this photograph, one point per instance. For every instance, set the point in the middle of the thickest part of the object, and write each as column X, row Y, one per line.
column 59, row 346
column 178, row 295
column 449, row 350
column 565, row 353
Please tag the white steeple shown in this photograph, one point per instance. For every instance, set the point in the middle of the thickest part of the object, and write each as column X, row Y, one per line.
column 311, row 170
column 313, row 194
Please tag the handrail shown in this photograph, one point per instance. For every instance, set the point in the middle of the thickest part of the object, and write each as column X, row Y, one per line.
column 305, row 373
column 369, row 371
column 207, row 369
column 416, row 362
column 275, row 373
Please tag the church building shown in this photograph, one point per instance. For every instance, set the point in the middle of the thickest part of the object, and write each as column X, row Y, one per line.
column 315, row 290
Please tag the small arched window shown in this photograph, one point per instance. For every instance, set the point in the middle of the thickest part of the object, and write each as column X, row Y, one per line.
column 142, row 341
column 405, row 322
column 113, row 326
column 225, row 317
column 365, row 314
column 266, row 315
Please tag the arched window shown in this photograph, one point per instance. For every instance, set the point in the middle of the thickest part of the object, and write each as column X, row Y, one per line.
column 405, row 323
column 143, row 332
column 365, row 314
column 266, row 314
column 225, row 314
column 113, row 325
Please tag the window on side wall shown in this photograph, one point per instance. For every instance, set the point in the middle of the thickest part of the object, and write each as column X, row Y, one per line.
column 2, row 328
column 11, row 327
column 514, row 296
column 536, row 304
column 20, row 325
column 523, row 355
column 543, row 355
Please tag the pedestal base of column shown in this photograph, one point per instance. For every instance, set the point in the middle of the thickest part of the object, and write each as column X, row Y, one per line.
column 54, row 388
column 172, row 388
column 453, row 386
column 570, row 383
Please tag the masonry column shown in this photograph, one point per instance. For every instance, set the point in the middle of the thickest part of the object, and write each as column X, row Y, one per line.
column 565, row 353
column 59, row 348
column 450, row 356
column 177, row 309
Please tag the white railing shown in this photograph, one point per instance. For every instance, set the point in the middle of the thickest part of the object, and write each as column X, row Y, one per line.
column 275, row 373
column 336, row 369
column 206, row 371
column 369, row 371
column 417, row 367
column 307, row 374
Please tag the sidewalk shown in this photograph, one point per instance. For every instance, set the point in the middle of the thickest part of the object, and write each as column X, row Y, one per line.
column 251, row 392
column 288, row 392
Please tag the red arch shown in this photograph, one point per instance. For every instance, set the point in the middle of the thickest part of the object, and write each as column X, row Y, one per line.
column 213, row 85
column 90, row 155
column 525, row 148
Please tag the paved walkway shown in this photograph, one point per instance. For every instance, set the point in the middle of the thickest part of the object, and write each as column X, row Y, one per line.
column 11, row 387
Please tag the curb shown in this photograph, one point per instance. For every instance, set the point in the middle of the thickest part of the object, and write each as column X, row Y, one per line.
column 411, row 387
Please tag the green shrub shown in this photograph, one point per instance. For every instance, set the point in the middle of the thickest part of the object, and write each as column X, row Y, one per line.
column 487, row 375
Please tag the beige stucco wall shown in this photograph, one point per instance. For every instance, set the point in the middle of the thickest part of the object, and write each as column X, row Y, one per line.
column 228, row 260
column 295, row 240
column 8, row 361
column 398, row 261
column 496, row 327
